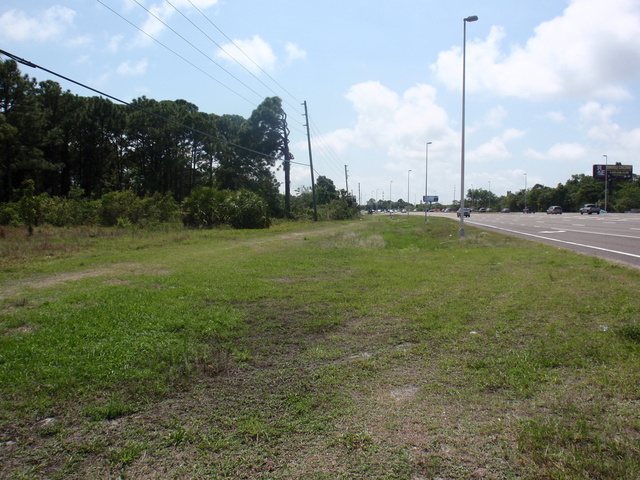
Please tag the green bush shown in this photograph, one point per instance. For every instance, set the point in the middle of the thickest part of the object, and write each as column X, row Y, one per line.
column 204, row 208
column 118, row 207
column 245, row 209
column 160, row 209
column 208, row 207
column 9, row 215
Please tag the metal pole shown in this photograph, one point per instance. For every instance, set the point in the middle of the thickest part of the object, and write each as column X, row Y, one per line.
column 408, row 201
column 426, row 177
column 464, row 62
column 606, row 180
column 525, row 192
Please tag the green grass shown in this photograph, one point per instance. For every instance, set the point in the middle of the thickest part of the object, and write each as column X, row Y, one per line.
column 381, row 348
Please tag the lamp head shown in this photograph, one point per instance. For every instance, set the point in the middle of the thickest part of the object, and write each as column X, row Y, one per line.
column 472, row 18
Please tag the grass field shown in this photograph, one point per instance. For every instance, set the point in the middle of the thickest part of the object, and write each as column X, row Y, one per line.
column 378, row 348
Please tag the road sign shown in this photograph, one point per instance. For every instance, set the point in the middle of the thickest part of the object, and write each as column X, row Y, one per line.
column 613, row 172
column 430, row 198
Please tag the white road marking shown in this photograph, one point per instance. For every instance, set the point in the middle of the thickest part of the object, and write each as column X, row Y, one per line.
column 562, row 241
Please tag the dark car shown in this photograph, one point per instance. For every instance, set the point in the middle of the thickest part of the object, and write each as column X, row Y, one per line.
column 467, row 212
column 554, row 210
column 529, row 210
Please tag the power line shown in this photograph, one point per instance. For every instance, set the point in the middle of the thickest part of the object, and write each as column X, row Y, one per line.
column 196, row 48
column 242, row 51
column 176, row 54
column 137, row 107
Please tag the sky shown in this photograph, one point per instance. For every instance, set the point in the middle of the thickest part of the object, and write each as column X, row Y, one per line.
column 552, row 86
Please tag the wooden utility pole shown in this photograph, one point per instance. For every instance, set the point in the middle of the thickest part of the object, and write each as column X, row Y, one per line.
column 313, row 183
column 287, row 167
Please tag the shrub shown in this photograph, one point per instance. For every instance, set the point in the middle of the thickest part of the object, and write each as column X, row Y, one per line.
column 118, row 207
column 246, row 209
column 204, row 208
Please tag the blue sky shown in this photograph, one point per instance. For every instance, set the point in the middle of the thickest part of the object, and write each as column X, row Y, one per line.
column 552, row 86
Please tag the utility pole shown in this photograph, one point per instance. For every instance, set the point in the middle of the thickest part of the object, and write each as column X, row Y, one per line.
column 346, row 179
column 313, row 183
column 287, row 167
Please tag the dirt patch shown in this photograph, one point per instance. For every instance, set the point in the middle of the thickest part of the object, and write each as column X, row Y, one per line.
column 17, row 288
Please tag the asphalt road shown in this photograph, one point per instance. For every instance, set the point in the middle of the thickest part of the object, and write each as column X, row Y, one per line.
column 614, row 236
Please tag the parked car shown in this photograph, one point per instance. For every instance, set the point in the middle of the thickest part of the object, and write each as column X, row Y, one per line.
column 590, row 208
column 554, row 210
column 505, row 210
column 529, row 210
column 467, row 212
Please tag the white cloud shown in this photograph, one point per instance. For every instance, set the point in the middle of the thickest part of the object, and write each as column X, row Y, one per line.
column 592, row 49
column 397, row 124
column 161, row 13
column 257, row 55
column 129, row 68
column 496, row 148
column 556, row 117
column 561, row 152
column 51, row 24
column 294, row 52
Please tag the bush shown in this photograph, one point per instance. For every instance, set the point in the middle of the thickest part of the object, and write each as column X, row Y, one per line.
column 247, row 210
column 119, row 207
column 160, row 209
column 9, row 215
column 204, row 208
column 208, row 207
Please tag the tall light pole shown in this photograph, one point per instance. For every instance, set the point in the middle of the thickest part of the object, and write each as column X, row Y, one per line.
column 472, row 18
column 489, row 195
column 606, row 180
column 390, row 194
column 408, row 202
column 426, row 177
column 525, row 192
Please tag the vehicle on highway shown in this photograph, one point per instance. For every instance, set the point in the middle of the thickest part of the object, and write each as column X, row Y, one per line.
column 590, row 208
column 554, row 210
column 467, row 212
column 529, row 210
column 505, row 210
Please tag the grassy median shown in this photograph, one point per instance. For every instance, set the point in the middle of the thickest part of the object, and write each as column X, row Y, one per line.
column 379, row 348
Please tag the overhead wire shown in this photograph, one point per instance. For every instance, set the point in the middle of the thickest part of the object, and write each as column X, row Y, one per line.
column 137, row 107
column 196, row 48
column 243, row 52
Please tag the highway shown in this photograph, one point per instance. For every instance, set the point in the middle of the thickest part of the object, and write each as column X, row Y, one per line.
column 613, row 236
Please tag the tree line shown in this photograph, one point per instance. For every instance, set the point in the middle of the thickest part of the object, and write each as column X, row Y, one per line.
column 83, row 148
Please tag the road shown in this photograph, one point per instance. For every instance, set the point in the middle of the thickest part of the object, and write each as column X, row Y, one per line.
column 614, row 236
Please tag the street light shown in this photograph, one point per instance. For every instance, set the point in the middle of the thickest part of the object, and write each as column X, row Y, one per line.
column 390, row 194
column 426, row 190
column 525, row 192
column 606, row 180
column 408, row 175
column 472, row 18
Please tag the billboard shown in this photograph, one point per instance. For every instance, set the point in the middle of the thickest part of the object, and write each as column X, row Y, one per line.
column 613, row 172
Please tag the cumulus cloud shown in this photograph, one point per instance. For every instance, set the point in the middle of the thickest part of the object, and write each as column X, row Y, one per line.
column 396, row 124
column 129, row 68
column 561, row 152
column 496, row 148
column 50, row 24
column 253, row 54
column 294, row 52
column 592, row 49
column 556, row 117
column 161, row 13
